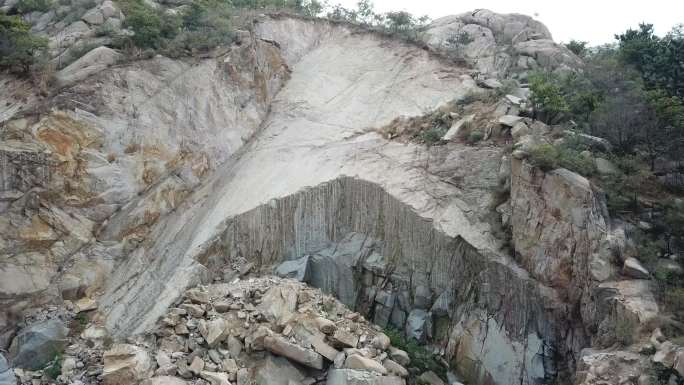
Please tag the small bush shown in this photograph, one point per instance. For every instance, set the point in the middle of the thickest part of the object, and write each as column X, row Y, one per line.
column 420, row 358
column 432, row 135
column 26, row 6
column 549, row 157
column 19, row 48
column 474, row 137
column 55, row 367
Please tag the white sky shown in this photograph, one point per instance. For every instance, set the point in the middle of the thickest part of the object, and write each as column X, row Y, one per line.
column 595, row 21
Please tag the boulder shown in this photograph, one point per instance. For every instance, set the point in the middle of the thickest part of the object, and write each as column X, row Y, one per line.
column 277, row 371
column 214, row 331
column 510, row 120
column 604, row 166
column 458, row 128
column 519, row 130
column 91, row 63
column 109, row 9
column 37, row 345
column 126, row 364
column 6, row 373
column 297, row 269
column 381, row 341
column 399, row 356
column 394, row 368
column 93, row 17
column 351, row 377
column 322, row 348
column 490, row 83
column 280, row 346
column 430, row 378
column 343, row 338
column 164, row 380
column 417, row 324
column 634, row 269
column 278, row 304
column 357, row 361
column 215, row 378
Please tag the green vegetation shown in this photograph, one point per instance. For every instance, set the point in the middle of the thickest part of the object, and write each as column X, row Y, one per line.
column 54, row 369
column 26, row 6
column 474, row 137
column 629, row 93
column 420, row 358
column 19, row 48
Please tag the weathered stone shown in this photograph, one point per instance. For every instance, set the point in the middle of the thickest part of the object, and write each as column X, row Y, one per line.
column 399, row 356
column 356, row 361
column 324, row 349
column 91, row 63
column 634, row 269
column 234, row 346
column 276, row 371
column 459, row 127
column 164, row 380
column 280, row 346
column 215, row 378
column 297, row 269
column 85, row 304
column 197, row 365
column 394, row 368
column 197, row 295
column 381, row 341
column 278, row 304
column 126, row 364
column 325, row 325
column 344, row 338
column 510, row 120
column 215, row 332
column 6, row 374
column 417, row 324
column 430, row 378
column 491, row 83
column 109, row 9
column 192, row 309
column 38, row 344
column 93, row 17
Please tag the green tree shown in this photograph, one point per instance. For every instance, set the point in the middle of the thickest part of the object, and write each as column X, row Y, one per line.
column 18, row 46
column 577, row 47
column 548, row 101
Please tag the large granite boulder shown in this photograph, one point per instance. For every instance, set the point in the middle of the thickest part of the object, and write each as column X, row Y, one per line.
column 35, row 346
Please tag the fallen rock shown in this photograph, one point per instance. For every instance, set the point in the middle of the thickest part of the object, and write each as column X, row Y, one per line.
column 344, row 339
column 458, row 128
column 275, row 371
column 214, row 331
column 85, row 304
column 197, row 365
column 6, row 373
column 381, row 341
column 430, row 378
column 164, row 380
column 510, row 120
column 634, row 269
column 93, row 17
column 278, row 304
column 325, row 325
column 215, row 378
column 35, row 346
column 297, row 269
column 126, row 364
column 490, row 83
column 324, row 349
column 197, row 295
column 356, row 361
column 399, row 356
column 279, row 346
column 394, row 368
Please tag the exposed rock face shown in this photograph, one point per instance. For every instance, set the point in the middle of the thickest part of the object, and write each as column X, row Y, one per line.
column 179, row 172
column 497, row 44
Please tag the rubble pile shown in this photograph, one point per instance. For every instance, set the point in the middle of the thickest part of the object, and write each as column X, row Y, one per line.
column 265, row 331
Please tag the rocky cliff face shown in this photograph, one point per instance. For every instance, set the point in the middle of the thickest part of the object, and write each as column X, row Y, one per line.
column 136, row 181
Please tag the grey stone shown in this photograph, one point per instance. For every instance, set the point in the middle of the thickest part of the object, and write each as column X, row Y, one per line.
column 277, row 371
column 93, row 17
column 430, row 378
column 109, row 9
column 417, row 324
column 422, row 298
column 38, row 344
column 91, row 63
column 297, row 269
column 280, row 346
column 510, row 120
column 394, row 368
column 164, row 380
column 634, row 269
column 399, row 356
column 357, row 361
column 442, row 305
column 126, row 364
column 491, row 83
column 6, row 373
column 458, row 128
